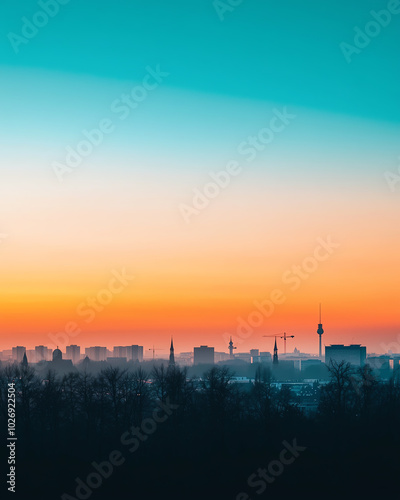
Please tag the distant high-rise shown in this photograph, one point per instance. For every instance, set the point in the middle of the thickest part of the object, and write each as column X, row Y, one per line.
column 355, row 354
column 243, row 356
column 96, row 353
column 18, row 353
column 73, row 352
column 135, row 353
column 204, row 355
column 171, row 354
column 120, row 352
column 320, row 331
column 254, row 353
column 275, row 360
column 264, row 357
column 221, row 356
column 42, row 353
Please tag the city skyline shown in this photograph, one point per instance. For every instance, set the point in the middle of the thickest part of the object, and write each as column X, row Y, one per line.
column 245, row 336
column 211, row 186
column 165, row 352
column 199, row 246
column 126, row 358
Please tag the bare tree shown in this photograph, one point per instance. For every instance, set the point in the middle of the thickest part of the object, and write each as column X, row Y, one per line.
column 336, row 395
column 159, row 382
column 112, row 379
column 261, row 396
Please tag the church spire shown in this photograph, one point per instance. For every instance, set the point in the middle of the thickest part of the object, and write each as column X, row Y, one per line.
column 24, row 361
column 171, row 354
column 275, row 360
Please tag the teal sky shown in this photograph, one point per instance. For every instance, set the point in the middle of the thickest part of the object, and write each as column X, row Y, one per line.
column 225, row 78
column 285, row 51
column 324, row 174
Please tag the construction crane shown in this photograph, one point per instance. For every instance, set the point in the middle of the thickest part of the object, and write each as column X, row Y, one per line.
column 284, row 337
column 154, row 349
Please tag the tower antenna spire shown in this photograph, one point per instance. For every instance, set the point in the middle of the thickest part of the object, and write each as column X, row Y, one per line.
column 320, row 331
column 231, row 347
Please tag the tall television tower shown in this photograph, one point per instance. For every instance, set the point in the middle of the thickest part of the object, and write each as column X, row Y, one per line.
column 231, row 347
column 320, row 331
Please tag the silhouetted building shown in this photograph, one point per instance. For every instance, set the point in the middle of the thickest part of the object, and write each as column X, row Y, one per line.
column 59, row 365
column 275, row 360
column 378, row 362
column 31, row 355
column 221, row 357
column 116, row 361
column 204, row 355
column 254, row 352
column 57, row 355
column 185, row 358
column 171, row 354
column 244, row 356
column 264, row 357
column 6, row 355
column 302, row 364
column 96, row 353
column 73, row 352
column 355, row 354
column 42, row 353
column 24, row 361
column 18, row 353
column 120, row 352
column 394, row 363
column 134, row 353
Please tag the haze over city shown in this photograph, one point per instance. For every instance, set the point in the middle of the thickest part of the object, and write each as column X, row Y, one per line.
column 199, row 249
column 311, row 150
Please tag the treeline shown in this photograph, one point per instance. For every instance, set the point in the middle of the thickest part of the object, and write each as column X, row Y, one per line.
column 65, row 423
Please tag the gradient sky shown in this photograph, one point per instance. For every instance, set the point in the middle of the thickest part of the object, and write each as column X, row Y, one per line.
column 324, row 174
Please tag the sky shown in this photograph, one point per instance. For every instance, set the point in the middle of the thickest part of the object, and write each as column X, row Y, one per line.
column 199, row 170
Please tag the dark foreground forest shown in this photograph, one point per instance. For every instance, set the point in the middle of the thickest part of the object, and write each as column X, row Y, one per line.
column 160, row 435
